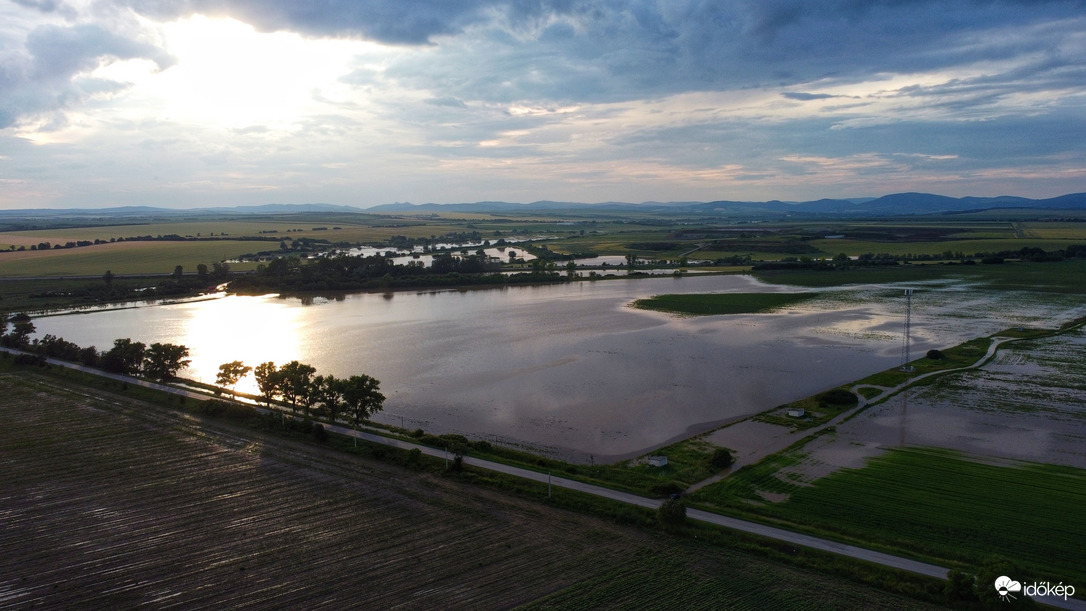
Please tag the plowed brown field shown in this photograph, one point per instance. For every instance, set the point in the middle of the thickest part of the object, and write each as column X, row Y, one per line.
column 107, row 502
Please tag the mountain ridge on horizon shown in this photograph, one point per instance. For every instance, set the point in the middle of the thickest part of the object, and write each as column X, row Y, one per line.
column 894, row 204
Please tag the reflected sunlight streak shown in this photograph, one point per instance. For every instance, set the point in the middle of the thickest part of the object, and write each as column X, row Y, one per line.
column 248, row 329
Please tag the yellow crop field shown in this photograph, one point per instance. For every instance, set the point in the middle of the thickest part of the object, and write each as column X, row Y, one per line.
column 123, row 258
column 1059, row 231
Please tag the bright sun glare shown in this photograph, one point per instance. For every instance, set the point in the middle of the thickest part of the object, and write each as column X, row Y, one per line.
column 240, row 328
column 230, row 75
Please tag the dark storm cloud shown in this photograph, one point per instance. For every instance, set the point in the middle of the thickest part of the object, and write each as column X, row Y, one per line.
column 604, row 51
column 42, row 79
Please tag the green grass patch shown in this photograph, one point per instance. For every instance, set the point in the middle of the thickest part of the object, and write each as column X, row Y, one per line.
column 959, row 356
column 721, row 303
column 817, row 409
column 1052, row 277
column 936, row 504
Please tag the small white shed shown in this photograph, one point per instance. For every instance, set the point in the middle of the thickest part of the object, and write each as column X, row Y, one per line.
column 796, row 413
column 657, row 461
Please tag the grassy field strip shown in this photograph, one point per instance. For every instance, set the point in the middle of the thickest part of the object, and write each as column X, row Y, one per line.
column 124, row 258
column 968, row 247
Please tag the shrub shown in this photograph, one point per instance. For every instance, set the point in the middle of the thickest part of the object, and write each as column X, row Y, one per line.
column 936, row 355
column 213, row 407
column 666, row 489
column 672, row 513
column 319, row 433
column 35, row 360
column 721, row 459
column 239, row 412
column 455, row 439
column 836, row 396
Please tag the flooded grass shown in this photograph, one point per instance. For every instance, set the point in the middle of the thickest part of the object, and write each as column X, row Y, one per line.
column 721, row 303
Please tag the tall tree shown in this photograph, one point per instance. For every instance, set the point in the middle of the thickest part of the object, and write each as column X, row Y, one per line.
column 329, row 394
column 230, row 373
column 21, row 330
column 268, row 380
column 297, row 384
column 126, row 356
column 163, row 361
column 362, row 397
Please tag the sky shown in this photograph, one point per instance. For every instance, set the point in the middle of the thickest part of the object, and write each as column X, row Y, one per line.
column 196, row 103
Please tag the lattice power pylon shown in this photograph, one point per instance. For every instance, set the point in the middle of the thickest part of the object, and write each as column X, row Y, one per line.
column 907, row 340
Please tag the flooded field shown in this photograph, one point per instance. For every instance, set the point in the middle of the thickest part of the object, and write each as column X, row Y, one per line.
column 569, row 369
column 1029, row 403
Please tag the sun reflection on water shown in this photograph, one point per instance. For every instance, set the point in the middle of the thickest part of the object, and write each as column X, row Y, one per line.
column 247, row 329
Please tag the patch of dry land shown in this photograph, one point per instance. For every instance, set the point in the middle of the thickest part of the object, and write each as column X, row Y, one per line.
column 111, row 503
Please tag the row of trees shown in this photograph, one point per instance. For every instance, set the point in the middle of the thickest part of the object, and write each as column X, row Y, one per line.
column 298, row 384
column 346, row 272
column 357, row 397
column 159, row 361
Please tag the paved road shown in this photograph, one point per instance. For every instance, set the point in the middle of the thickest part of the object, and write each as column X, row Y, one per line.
column 826, row 545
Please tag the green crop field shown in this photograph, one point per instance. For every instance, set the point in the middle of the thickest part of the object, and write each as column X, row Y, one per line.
column 353, row 229
column 967, row 247
column 1057, row 277
column 936, row 504
column 721, row 303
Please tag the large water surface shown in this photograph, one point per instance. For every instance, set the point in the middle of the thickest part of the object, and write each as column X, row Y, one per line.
column 565, row 368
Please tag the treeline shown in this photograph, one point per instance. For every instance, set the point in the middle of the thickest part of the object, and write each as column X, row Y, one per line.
column 345, row 272
column 843, row 261
column 299, row 385
column 112, row 288
column 170, row 237
column 159, row 361
column 294, row 383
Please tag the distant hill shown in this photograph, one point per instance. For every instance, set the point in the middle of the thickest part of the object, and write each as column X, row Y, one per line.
column 896, row 204
column 888, row 205
column 150, row 211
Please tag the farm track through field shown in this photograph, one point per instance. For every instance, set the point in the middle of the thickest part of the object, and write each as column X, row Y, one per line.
column 114, row 503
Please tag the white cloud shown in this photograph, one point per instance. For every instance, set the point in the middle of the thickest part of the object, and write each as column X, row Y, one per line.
column 369, row 101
